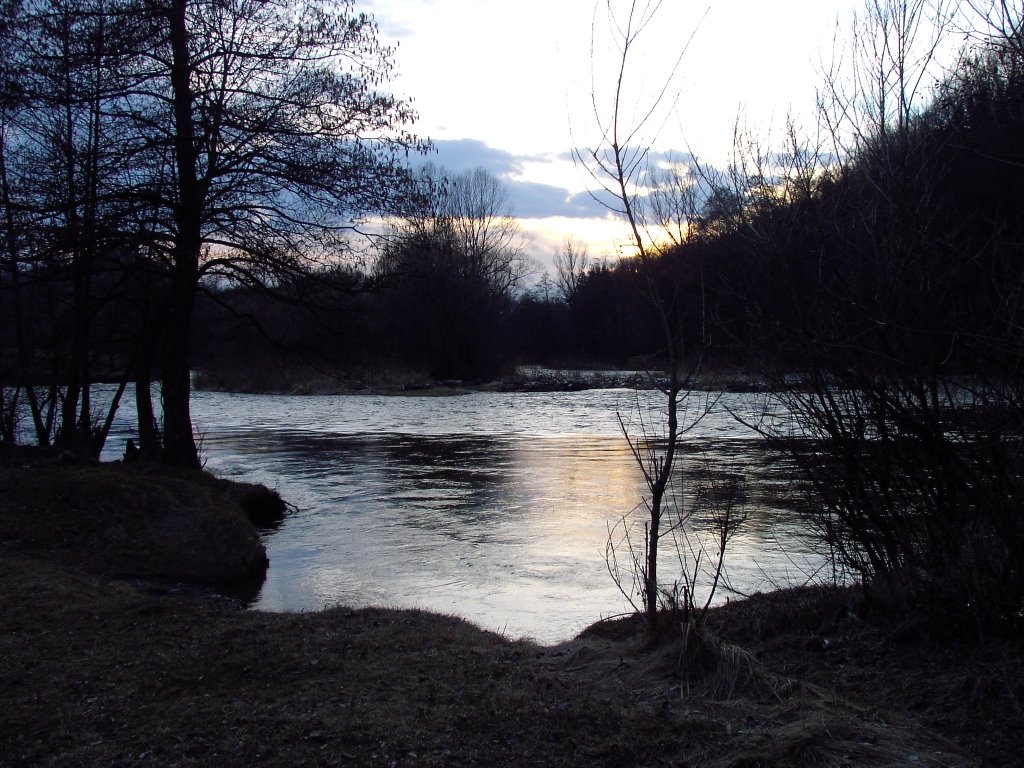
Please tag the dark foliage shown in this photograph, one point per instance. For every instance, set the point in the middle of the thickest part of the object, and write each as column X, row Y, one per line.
column 884, row 303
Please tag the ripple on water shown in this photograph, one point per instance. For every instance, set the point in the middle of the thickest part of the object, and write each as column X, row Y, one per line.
column 492, row 506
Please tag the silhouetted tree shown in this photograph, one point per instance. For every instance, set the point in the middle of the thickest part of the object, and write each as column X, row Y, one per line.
column 618, row 163
column 451, row 270
column 61, row 153
column 571, row 263
column 539, row 327
column 265, row 134
column 887, row 276
column 220, row 140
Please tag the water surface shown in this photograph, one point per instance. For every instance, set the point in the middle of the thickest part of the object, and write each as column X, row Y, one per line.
column 495, row 507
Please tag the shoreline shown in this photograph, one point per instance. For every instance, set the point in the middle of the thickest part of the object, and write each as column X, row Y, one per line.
column 105, row 669
column 525, row 379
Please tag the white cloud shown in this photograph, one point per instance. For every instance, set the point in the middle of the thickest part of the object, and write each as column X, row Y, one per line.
column 508, row 87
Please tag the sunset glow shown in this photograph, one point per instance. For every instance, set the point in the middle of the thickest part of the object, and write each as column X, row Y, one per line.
column 509, row 88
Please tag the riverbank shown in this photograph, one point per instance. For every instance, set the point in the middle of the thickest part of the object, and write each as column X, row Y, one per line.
column 299, row 380
column 146, row 668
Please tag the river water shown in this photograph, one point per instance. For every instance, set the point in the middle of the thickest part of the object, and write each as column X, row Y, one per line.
column 495, row 507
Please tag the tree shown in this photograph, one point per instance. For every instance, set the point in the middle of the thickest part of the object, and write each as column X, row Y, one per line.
column 263, row 132
column 571, row 264
column 57, row 161
column 194, row 142
column 539, row 330
column 886, row 274
column 451, row 268
column 10, row 324
column 619, row 164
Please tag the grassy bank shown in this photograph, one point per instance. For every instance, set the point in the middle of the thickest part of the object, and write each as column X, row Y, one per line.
column 110, row 661
column 139, row 521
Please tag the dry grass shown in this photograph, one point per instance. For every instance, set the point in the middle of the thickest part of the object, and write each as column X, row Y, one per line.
column 761, row 718
column 104, row 671
column 136, row 521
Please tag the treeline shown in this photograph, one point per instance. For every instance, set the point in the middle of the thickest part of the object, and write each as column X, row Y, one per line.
column 180, row 182
column 445, row 298
column 881, row 298
column 903, row 253
column 419, row 326
column 874, row 282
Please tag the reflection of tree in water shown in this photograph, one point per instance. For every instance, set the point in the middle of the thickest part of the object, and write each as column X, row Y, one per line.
column 758, row 477
column 451, row 484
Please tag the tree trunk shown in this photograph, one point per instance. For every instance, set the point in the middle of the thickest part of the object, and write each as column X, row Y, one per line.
column 651, row 583
column 149, row 435
column 179, row 443
column 23, row 372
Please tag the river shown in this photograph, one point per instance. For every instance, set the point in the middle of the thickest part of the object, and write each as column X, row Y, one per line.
column 495, row 507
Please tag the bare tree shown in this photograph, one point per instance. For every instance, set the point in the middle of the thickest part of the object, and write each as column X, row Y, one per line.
column 262, row 131
column 675, row 200
column 571, row 264
column 892, row 289
column 453, row 266
column 59, row 158
column 218, row 141
column 11, row 325
column 883, row 77
column 619, row 164
column 998, row 23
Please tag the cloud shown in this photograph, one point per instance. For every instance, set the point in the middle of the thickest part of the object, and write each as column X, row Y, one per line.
column 395, row 20
column 547, row 185
column 529, row 198
column 458, row 155
column 532, row 200
column 597, row 202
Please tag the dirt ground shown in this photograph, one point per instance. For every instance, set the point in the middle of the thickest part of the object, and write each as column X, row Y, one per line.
column 108, row 662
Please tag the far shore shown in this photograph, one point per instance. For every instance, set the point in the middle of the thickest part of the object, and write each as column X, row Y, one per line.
column 301, row 381
column 122, row 648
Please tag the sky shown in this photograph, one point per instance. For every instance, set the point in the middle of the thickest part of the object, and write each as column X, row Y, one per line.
column 508, row 87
